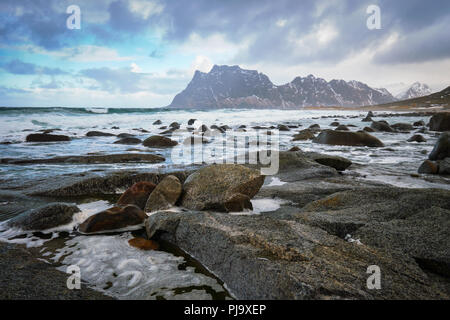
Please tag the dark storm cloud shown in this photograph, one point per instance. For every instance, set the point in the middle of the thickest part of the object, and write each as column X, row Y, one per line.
column 19, row 67
column 240, row 20
column 421, row 26
column 37, row 21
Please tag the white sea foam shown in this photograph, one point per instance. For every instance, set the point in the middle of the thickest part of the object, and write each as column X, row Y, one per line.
column 276, row 182
column 111, row 265
column 262, row 205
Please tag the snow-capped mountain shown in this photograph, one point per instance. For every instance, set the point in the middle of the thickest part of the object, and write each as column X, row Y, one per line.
column 231, row 86
column 416, row 90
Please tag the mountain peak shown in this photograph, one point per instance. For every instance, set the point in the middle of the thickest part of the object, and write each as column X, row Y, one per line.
column 416, row 90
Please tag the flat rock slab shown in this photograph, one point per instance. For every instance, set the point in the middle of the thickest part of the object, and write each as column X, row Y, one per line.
column 111, row 158
column 263, row 258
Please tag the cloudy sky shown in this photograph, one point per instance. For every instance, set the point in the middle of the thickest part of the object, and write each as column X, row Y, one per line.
column 139, row 53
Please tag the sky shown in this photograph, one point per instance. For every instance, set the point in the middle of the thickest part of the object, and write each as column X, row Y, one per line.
column 139, row 53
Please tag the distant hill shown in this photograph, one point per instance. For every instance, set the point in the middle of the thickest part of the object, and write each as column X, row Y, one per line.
column 233, row 87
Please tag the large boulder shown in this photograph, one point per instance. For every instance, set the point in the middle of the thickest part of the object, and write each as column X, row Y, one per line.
column 336, row 162
column 417, row 138
column 115, row 218
column 45, row 217
column 128, row 140
column 261, row 257
column 428, row 167
column 44, row 137
column 412, row 222
column 440, row 122
column 165, row 194
column 441, row 149
column 159, row 142
column 346, row 138
column 381, row 126
column 137, row 194
column 221, row 187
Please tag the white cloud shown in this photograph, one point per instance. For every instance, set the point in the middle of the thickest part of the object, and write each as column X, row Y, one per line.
column 281, row 23
column 144, row 8
column 135, row 68
column 201, row 63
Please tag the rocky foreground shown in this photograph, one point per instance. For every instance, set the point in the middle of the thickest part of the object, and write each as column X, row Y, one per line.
column 330, row 225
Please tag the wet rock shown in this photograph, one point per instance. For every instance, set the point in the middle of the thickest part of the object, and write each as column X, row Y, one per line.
column 159, row 142
column 282, row 127
column 137, row 194
column 125, row 135
column 334, row 124
column 129, row 140
column 45, row 217
column 226, row 127
column 420, row 123
column 295, row 148
column 336, row 162
column 417, row 138
column 99, row 134
column 115, row 218
column 213, row 186
column 143, row 244
column 174, row 125
column 342, row 128
column 44, row 137
column 243, row 126
column 111, row 158
column 440, row 122
column 191, row 122
column 298, row 166
column 346, row 138
column 428, row 167
column 368, row 129
column 25, row 276
column 306, row 134
column 157, row 122
column 260, row 257
column 203, row 128
column 165, row 195
column 381, row 126
column 444, row 166
column 402, row 127
column 441, row 149
column 314, row 127
column 368, row 118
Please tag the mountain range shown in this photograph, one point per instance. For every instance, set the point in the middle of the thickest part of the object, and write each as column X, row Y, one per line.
column 234, row 87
